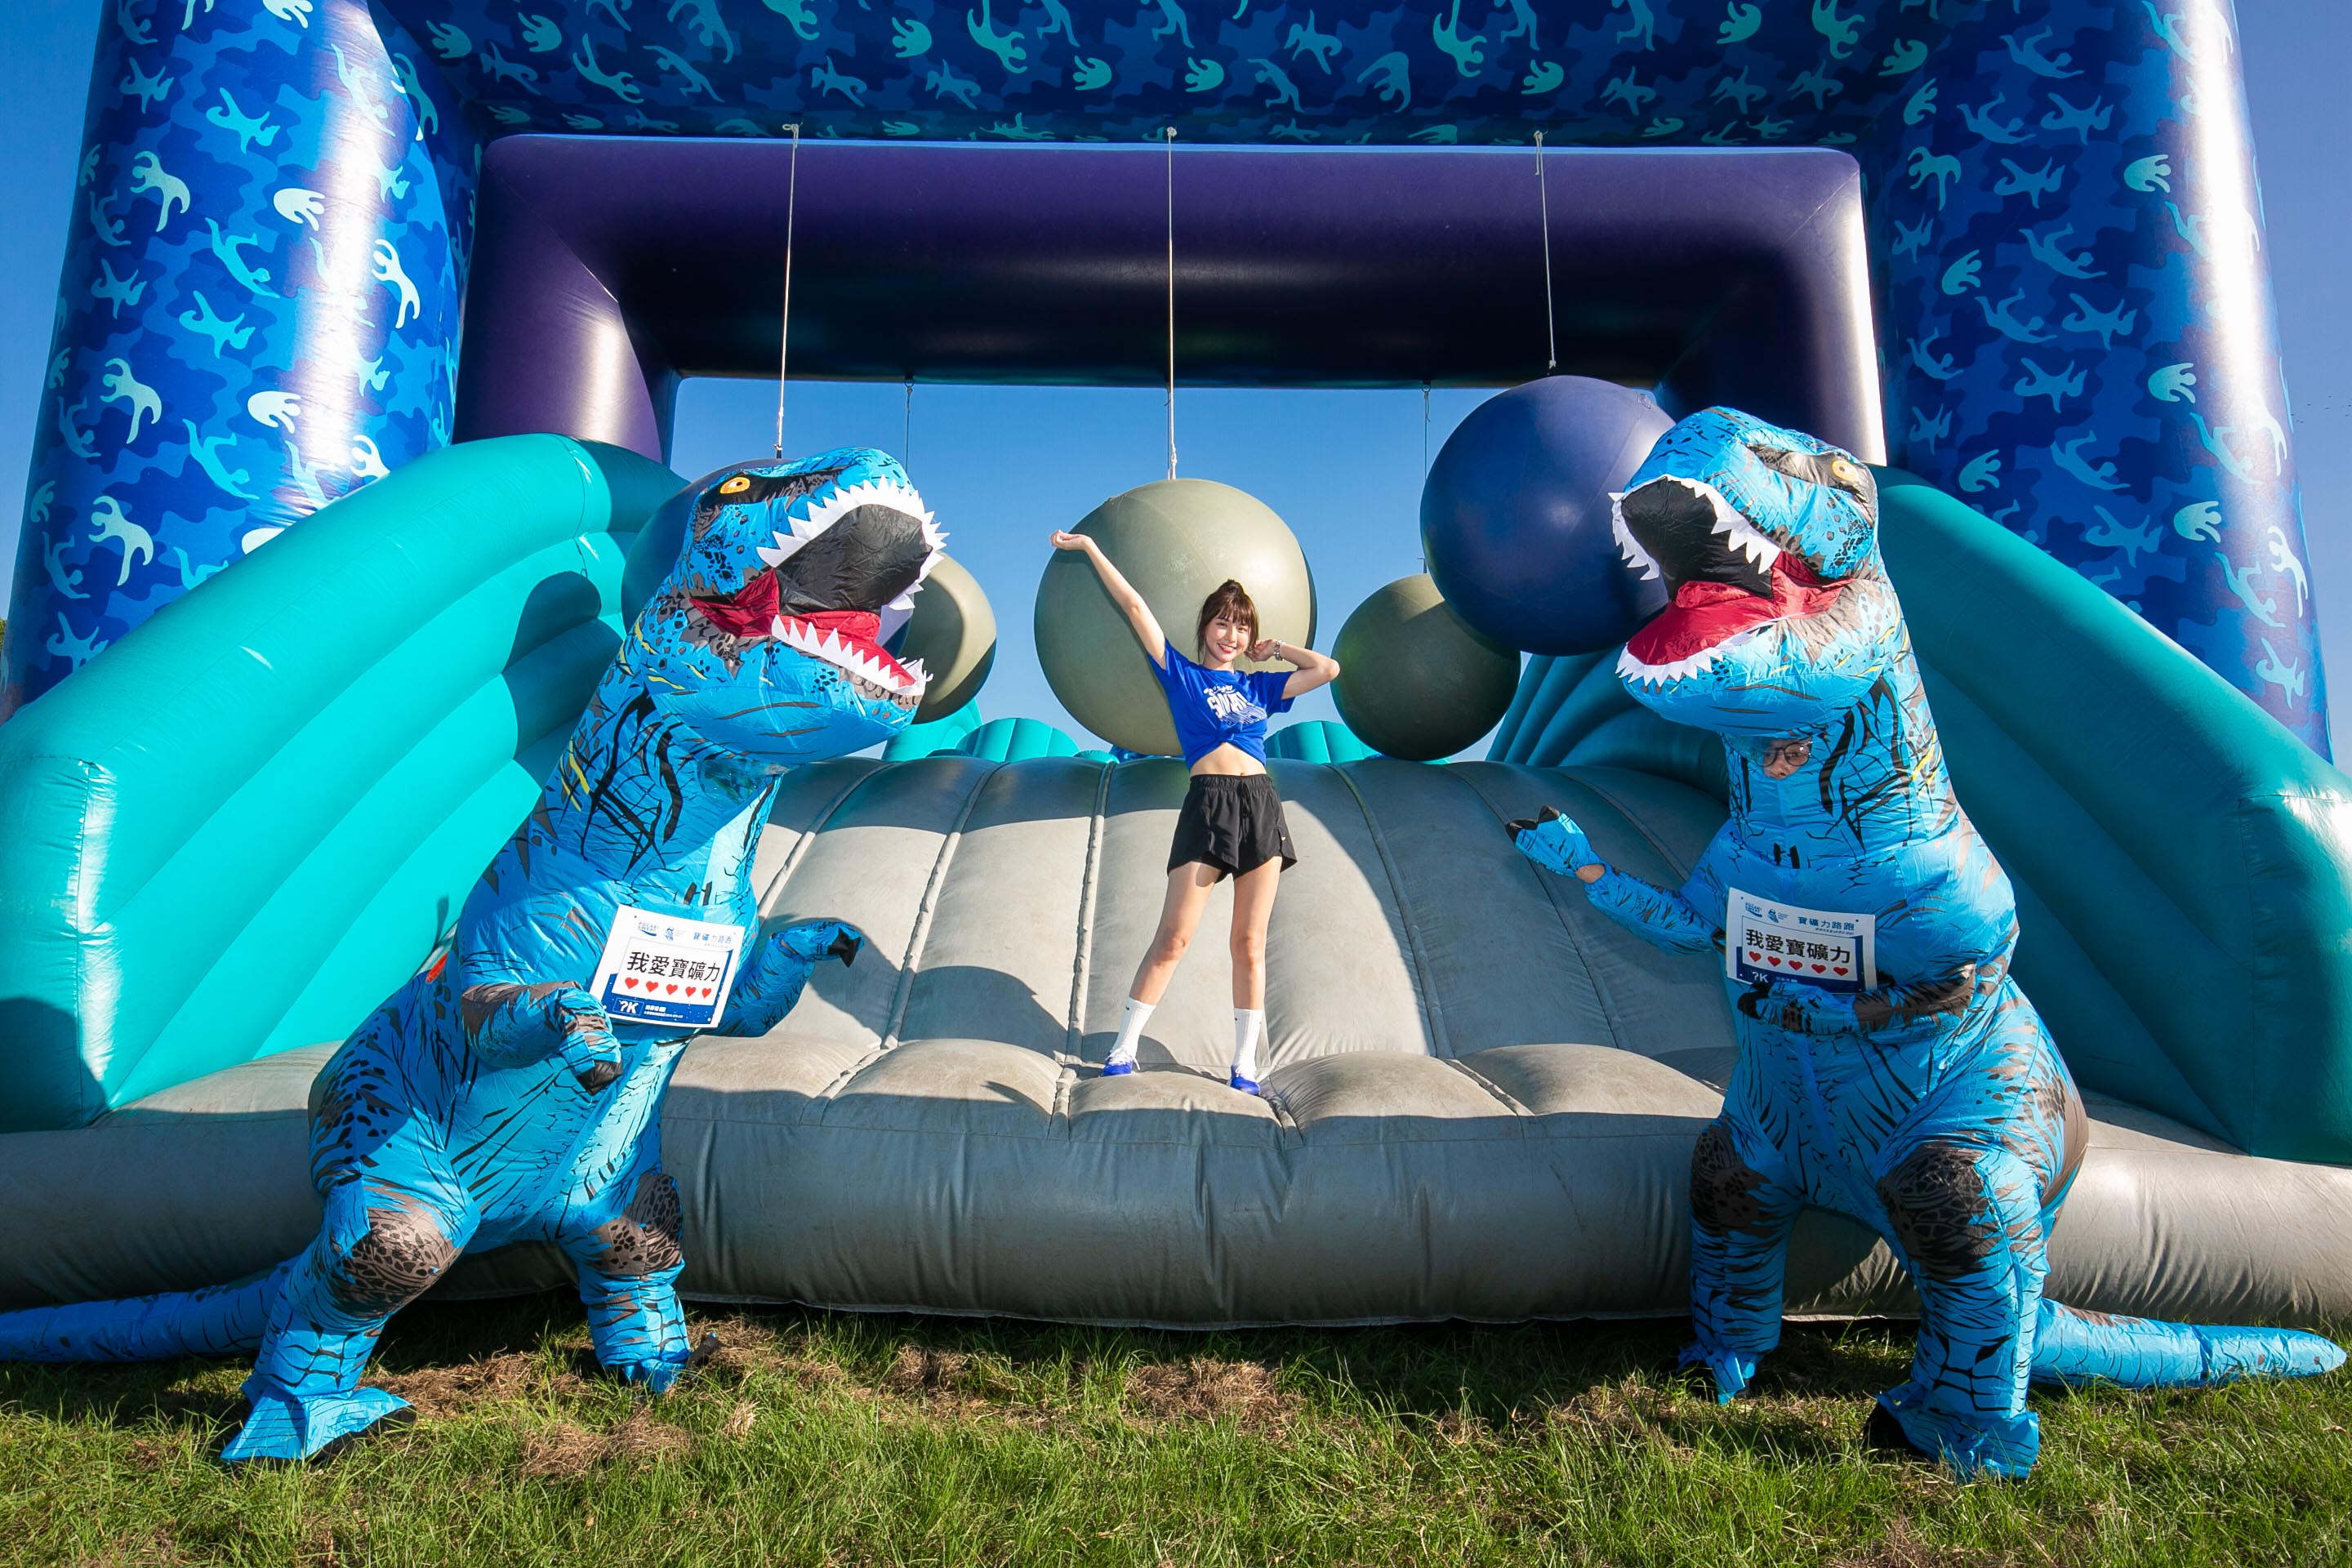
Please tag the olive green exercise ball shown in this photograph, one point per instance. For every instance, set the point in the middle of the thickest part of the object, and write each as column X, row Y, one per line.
column 953, row 632
column 1414, row 681
column 1175, row 540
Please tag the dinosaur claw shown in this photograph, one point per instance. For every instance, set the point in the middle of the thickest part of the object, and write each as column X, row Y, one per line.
column 844, row 948
column 658, row 1376
column 599, row 1074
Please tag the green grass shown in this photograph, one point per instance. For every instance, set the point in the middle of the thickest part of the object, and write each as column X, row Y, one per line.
column 820, row 1438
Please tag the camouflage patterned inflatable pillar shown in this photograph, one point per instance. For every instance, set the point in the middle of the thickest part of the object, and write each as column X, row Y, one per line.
column 2080, row 329
column 258, row 311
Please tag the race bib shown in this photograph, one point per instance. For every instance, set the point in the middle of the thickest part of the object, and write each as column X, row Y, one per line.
column 667, row 969
column 1766, row 941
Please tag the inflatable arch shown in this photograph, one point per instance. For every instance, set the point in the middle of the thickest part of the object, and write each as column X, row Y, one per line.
column 2067, row 319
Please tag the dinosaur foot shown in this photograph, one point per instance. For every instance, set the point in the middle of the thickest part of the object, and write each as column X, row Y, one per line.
column 1883, row 1434
column 1731, row 1371
column 1974, row 1447
column 659, row 1374
column 278, row 1430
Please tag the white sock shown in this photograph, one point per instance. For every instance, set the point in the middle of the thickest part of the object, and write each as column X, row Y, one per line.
column 1130, row 1032
column 1247, row 1023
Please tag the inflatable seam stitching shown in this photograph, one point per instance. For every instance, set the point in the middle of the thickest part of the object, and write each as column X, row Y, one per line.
column 1583, row 777
column 799, row 851
column 2261, row 978
column 1502, row 1097
column 1082, row 956
column 1522, row 1127
column 361, row 554
column 500, row 772
column 917, row 936
column 1431, row 1018
column 107, row 1099
column 1554, row 890
column 360, row 900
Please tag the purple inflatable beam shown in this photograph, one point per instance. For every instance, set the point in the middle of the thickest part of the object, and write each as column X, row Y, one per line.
column 608, row 268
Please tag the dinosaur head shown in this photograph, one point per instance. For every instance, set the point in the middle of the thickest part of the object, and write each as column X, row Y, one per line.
column 767, row 632
column 1779, row 616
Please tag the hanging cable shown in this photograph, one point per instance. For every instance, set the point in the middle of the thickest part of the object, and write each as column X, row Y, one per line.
column 784, row 337
column 1424, row 450
column 1543, row 206
column 1172, row 301
column 906, row 435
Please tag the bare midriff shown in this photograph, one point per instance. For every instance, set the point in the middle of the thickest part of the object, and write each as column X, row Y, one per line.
column 1228, row 762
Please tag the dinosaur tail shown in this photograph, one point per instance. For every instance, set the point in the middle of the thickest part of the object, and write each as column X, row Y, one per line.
column 219, row 1320
column 2073, row 1346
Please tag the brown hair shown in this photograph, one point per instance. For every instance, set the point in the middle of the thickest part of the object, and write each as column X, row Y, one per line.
column 1228, row 598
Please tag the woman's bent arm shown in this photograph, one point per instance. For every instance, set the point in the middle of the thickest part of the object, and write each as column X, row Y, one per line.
column 1314, row 669
column 1122, row 594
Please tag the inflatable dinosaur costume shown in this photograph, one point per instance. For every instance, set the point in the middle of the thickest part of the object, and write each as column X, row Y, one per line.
column 1889, row 1067
column 512, row 1091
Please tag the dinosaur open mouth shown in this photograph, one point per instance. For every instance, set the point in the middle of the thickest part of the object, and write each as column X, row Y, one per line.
column 1723, row 576
column 846, row 639
column 849, row 640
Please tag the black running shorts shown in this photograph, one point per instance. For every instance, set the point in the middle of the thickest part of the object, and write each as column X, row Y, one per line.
column 1232, row 826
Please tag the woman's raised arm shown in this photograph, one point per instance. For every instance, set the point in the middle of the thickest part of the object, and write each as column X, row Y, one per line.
column 1122, row 594
column 1314, row 669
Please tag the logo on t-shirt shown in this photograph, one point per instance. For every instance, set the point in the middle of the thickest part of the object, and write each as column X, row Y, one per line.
column 1229, row 706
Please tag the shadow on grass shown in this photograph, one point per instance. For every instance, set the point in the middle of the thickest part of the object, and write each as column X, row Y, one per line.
column 121, row 1397
column 1455, row 1377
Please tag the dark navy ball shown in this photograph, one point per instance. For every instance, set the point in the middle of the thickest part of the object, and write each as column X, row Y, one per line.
column 1515, row 516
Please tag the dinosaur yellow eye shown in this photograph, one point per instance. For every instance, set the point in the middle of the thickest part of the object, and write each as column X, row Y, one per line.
column 1844, row 472
column 736, row 486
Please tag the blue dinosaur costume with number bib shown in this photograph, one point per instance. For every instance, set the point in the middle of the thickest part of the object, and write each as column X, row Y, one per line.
column 1920, row 1094
column 512, row 1091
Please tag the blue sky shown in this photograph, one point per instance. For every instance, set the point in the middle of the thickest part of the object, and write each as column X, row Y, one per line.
column 1001, row 464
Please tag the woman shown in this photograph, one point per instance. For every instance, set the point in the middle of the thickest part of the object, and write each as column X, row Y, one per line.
column 1232, row 822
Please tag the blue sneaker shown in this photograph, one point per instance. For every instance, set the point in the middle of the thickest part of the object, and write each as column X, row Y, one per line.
column 1247, row 1086
column 1117, row 1069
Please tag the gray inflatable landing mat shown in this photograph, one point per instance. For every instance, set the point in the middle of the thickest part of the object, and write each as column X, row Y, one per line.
column 1480, row 1102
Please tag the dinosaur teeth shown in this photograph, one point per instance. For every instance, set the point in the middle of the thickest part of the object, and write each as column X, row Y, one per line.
column 823, row 512
column 1732, row 525
column 784, row 548
column 1658, row 676
column 1635, row 556
column 1738, row 533
column 870, row 666
column 830, row 509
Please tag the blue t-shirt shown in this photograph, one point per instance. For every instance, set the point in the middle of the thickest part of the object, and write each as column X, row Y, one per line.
column 1219, row 706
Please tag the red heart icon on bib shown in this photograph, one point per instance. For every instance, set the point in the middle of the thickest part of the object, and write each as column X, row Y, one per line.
column 673, row 990
column 630, row 980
